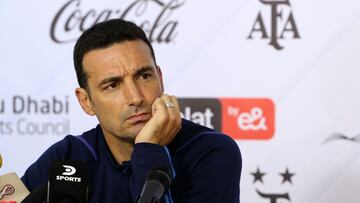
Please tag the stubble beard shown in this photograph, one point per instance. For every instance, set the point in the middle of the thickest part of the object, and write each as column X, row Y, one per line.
column 130, row 132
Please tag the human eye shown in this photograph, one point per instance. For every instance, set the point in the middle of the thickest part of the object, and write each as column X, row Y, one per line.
column 112, row 86
column 145, row 76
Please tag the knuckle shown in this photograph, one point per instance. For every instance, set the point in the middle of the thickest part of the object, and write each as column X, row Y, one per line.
column 163, row 117
column 172, row 118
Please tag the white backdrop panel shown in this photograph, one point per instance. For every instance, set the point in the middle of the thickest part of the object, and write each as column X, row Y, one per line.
column 313, row 82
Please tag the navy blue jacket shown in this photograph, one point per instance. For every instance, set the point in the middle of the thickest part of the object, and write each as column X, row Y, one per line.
column 206, row 166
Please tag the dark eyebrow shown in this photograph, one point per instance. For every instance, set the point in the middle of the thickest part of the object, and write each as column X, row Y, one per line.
column 120, row 79
column 143, row 70
column 110, row 80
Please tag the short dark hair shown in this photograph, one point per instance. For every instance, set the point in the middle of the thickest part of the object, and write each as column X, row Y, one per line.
column 103, row 35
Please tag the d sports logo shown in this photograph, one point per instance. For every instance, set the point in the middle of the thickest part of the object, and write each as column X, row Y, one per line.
column 241, row 118
column 69, row 170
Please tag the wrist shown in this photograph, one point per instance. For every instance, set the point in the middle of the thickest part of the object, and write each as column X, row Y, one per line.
column 147, row 140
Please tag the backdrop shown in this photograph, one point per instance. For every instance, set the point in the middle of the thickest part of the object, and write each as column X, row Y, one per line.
column 281, row 77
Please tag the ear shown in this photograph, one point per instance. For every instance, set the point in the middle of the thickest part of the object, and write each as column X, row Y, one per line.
column 158, row 71
column 85, row 101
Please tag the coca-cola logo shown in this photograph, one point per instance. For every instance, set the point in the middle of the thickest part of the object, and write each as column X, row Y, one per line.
column 153, row 16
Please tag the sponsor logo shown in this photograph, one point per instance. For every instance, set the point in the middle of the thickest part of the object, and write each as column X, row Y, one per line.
column 153, row 16
column 281, row 20
column 205, row 112
column 240, row 118
column 69, row 179
column 69, row 171
column 29, row 112
column 7, row 190
column 336, row 136
column 286, row 177
column 248, row 118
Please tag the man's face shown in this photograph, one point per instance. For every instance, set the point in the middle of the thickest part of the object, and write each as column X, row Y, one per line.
column 123, row 82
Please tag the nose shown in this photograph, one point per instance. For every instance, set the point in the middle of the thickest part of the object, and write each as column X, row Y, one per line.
column 133, row 94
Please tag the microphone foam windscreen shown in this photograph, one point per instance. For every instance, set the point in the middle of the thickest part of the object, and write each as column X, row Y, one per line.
column 68, row 180
column 162, row 174
column 12, row 188
column 39, row 195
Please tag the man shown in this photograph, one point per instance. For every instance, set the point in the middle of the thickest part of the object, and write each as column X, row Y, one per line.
column 139, row 127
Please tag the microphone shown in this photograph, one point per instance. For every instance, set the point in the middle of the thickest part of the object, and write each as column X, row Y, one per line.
column 39, row 195
column 68, row 182
column 156, row 182
column 12, row 188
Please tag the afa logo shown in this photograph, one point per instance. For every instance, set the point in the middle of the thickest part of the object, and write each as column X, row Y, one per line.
column 286, row 177
column 281, row 21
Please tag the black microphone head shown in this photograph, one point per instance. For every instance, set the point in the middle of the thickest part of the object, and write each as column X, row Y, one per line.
column 38, row 195
column 68, row 182
column 161, row 174
column 67, row 201
column 157, row 181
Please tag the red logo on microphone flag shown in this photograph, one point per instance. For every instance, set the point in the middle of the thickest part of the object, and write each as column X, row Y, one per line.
column 7, row 190
column 250, row 118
